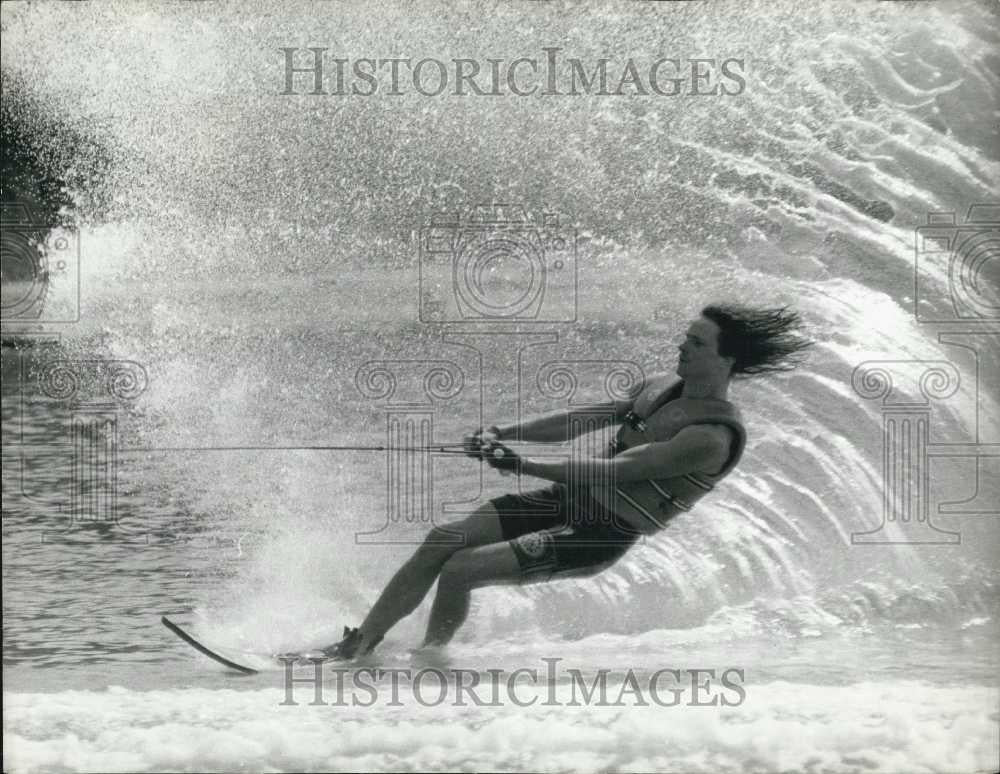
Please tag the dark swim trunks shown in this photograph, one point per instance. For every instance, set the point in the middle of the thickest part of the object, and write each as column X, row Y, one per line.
column 553, row 534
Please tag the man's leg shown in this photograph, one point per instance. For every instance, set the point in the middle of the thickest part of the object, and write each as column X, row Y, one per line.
column 489, row 565
column 531, row 557
column 414, row 579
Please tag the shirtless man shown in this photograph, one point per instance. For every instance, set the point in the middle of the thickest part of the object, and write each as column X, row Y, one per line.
column 678, row 438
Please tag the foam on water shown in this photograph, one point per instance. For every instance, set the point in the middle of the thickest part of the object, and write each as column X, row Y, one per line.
column 873, row 726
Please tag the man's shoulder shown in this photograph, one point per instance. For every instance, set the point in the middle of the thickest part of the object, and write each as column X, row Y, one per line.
column 655, row 387
column 715, row 432
column 714, row 441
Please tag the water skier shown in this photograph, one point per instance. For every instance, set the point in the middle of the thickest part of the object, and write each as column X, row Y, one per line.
column 678, row 438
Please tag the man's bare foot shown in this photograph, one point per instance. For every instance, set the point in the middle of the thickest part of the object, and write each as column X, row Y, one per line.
column 352, row 644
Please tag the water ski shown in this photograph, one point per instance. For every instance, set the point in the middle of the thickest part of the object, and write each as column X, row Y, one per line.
column 201, row 648
column 298, row 657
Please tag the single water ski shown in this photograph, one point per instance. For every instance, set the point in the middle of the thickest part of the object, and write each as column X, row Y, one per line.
column 205, row 649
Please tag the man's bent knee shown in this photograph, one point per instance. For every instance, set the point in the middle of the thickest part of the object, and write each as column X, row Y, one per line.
column 458, row 572
column 441, row 543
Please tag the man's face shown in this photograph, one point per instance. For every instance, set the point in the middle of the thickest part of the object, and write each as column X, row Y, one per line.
column 699, row 353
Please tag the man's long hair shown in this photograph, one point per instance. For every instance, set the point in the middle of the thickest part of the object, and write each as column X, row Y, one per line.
column 760, row 340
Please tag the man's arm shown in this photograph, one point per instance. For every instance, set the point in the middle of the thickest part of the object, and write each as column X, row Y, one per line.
column 696, row 448
column 554, row 427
